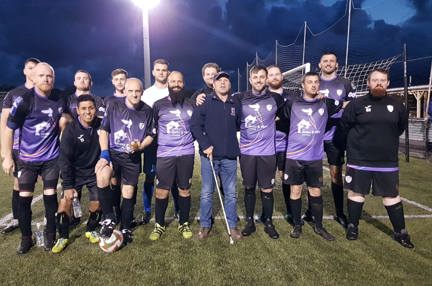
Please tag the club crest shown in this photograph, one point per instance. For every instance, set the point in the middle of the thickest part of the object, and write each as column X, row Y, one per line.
column 348, row 179
column 189, row 112
column 321, row 111
column 269, row 107
column 339, row 92
column 390, row 108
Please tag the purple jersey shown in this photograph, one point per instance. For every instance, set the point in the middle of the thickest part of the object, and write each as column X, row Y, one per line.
column 7, row 103
column 173, row 128
column 340, row 90
column 112, row 98
column 308, row 120
column 37, row 117
column 126, row 125
column 257, row 128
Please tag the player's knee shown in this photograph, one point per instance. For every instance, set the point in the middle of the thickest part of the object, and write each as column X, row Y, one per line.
column 184, row 193
column 127, row 191
column 161, row 194
column 389, row 201
column 49, row 192
column 356, row 197
column 26, row 194
column 296, row 191
column 315, row 192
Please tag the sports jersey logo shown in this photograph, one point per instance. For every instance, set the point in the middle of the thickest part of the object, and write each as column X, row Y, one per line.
column 48, row 112
column 348, row 179
column 390, row 108
column 339, row 92
column 60, row 110
column 302, row 126
column 336, row 102
column 81, row 138
column 352, row 94
column 308, row 111
column 101, row 109
column 269, row 107
column 254, row 121
column 128, row 123
column 15, row 104
column 233, row 113
column 321, row 111
column 42, row 129
column 173, row 128
column 176, row 112
column 189, row 112
column 325, row 92
column 368, row 108
column 141, row 125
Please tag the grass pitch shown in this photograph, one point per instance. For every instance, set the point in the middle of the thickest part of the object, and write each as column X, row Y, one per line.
column 375, row 259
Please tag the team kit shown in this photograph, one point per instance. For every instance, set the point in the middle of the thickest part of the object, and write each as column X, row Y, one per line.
column 104, row 144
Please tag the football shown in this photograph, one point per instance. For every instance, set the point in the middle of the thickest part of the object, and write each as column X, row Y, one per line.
column 113, row 243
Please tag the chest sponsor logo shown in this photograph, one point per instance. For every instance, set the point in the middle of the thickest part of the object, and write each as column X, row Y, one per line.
column 81, row 138
column 128, row 123
column 48, row 112
column 325, row 92
column 308, row 111
column 42, row 129
column 390, row 108
column 368, row 108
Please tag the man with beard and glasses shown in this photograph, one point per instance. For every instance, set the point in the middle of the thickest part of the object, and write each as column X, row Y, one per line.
column 152, row 94
column 342, row 91
column 79, row 153
column 175, row 154
column 274, row 83
column 257, row 148
column 126, row 130
column 38, row 115
column 83, row 83
column 307, row 117
column 370, row 129
column 10, row 97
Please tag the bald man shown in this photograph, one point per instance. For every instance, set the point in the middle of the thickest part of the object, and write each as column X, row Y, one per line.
column 175, row 154
column 125, row 131
column 37, row 114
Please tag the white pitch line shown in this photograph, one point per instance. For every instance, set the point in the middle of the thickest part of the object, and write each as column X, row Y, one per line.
column 8, row 217
column 414, row 203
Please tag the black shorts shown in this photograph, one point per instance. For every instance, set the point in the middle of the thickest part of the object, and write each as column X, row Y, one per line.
column 28, row 173
column 280, row 160
column 126, row 166
column 90, row 183
column 335, row 156
column 170, row 170
column 15, row 160
column 297, row 172
column 150, row 159
column 384, row 184
column 258, row 168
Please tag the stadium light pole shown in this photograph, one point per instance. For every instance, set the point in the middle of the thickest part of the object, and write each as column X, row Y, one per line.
column 145, row 6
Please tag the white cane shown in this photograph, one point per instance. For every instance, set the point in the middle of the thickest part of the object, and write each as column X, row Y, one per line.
column 221, row 202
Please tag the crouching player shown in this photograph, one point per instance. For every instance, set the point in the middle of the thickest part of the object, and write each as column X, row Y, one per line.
column 125, row 132
column 175, row 154
column 79, row 153
column 307, row 119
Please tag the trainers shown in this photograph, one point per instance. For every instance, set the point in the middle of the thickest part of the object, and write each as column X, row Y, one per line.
column 403, row 239
column 296, row 231
column 352, row 232
column 157, row 232
column 185, row 230
column 60, row 245
column 25, row 245
column 92, row 236
column 235, row 233
column 108, row 226
column 146, row 218
column 127, row 236
column 11, row 226
column 203, row 233
column 270, row 229
column 249, row 228
column 321, row 231
column 49, row 242
column 342, row 220
column 307, row 217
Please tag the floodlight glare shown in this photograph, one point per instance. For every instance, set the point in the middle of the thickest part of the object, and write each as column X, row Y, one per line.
column 146, row 4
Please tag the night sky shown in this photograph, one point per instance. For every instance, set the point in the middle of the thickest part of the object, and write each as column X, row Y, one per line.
column 100, row 35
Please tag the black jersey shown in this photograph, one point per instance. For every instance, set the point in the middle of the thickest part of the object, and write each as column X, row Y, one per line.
column 79, row 151
column 371, row 127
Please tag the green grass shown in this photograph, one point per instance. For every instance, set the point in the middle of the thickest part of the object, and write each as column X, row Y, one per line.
column 375, row 259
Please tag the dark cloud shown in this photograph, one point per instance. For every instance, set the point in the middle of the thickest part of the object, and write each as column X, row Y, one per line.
column 101, row 35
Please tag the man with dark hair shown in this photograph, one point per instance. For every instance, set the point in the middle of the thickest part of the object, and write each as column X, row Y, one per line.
column 341, row 91
column 10, row 97
column 118, row 80
column 175, row 154
column 125, row 131
column 79, row 153
column 373, row 162
column 214, row 124
column 152, row 94
column 83, row 83
column 208, row 71
column 307, row 117
column 37, row 114
column 274, row 83
column 257, row 148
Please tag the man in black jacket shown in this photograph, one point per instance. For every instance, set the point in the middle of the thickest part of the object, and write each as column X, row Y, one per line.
column 79, row 153
column 371, row 126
